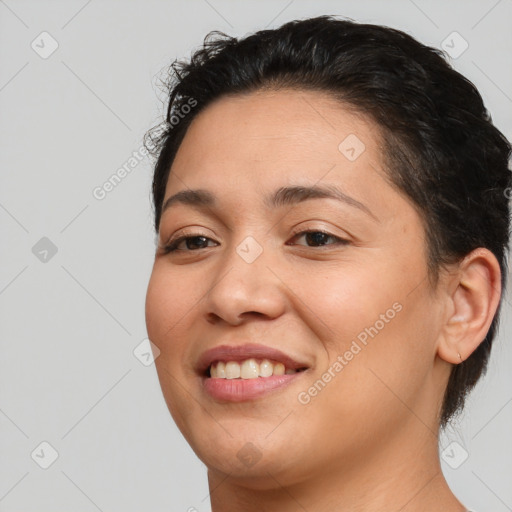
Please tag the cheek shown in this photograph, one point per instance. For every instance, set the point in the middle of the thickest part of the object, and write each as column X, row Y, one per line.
column 381, row 334
column 345, row 300
column 171, row 305
column 170, row 301
column 386, row 362
column 169, row 315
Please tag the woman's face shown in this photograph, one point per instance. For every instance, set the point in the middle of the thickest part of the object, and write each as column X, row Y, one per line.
column 349, row 304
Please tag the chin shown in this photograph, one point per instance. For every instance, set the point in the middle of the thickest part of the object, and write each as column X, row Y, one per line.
column 250, row 456
column 253, row 468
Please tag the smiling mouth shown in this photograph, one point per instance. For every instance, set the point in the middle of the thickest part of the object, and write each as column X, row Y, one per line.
column 250, row 368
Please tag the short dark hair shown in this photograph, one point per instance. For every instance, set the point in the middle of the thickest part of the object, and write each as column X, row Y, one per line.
column 441, row 148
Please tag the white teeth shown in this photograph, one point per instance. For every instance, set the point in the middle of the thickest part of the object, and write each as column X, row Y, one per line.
column 221, row 370
column 248, row 369
column 232, row 370
column 266, row 368
column 279, row 369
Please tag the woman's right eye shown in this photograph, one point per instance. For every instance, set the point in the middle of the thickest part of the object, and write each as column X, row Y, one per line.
column 191, row 243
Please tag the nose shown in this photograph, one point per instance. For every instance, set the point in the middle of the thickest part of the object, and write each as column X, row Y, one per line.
column 242, row 288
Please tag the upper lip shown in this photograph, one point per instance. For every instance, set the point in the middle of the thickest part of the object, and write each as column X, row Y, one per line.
column 243, row 352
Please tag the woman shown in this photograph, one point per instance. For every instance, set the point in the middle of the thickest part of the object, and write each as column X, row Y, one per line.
column 332, row 218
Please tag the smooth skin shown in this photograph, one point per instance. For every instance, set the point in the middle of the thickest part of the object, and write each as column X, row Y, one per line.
column 368, row 441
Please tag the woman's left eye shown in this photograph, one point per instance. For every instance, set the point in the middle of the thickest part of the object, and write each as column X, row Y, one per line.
column 319, row 238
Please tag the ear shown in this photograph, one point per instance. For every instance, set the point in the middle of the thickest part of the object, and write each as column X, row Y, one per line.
column 473, row 296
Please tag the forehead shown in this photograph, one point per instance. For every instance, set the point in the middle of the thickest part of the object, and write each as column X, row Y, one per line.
column 263, row 140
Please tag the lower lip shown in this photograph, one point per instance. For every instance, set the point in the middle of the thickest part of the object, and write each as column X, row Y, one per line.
column 238, row 390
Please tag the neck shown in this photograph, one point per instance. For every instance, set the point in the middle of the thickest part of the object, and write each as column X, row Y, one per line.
column 405, row 475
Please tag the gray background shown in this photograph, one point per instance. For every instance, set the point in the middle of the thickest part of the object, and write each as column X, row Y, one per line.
column 70, row 321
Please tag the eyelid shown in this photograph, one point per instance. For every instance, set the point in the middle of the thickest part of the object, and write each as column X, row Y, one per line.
column 302, row 232
column 173, row 244
column 316, row 228
column 190, row 230
column 182, row 234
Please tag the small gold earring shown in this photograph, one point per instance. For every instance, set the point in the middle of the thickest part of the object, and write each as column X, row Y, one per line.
column 460, row 357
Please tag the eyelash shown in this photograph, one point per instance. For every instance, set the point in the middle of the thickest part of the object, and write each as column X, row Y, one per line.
column 173, row 245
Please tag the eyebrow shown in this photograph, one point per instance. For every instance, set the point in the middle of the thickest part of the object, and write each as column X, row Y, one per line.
column 284, row 196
